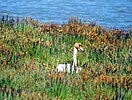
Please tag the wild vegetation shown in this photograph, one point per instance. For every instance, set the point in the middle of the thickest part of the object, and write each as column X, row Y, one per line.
column 30, row 51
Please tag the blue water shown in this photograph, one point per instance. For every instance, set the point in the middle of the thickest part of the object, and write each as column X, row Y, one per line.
column 115, row 13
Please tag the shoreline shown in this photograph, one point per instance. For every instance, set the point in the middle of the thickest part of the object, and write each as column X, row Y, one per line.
column 125, row 29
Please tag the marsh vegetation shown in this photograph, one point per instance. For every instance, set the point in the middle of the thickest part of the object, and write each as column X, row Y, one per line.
column 30, row 51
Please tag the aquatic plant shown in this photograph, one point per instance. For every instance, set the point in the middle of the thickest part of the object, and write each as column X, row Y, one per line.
column 29, row 52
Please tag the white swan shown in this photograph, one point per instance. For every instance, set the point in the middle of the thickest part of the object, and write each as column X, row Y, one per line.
column 71, row 67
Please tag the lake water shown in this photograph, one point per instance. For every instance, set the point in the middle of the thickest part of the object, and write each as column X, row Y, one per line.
column 115, row 13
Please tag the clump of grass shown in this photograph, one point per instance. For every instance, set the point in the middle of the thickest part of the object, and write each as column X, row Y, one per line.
column 29, row 52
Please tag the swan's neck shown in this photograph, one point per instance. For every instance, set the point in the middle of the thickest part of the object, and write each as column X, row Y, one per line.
column 75, row 57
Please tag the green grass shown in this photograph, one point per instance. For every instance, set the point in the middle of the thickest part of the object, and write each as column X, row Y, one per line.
column 29, row 53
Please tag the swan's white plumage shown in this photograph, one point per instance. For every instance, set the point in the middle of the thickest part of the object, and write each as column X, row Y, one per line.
column 66, row 68
column 63, row 67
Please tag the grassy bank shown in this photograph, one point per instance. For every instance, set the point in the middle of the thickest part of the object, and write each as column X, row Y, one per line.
column 29, row 52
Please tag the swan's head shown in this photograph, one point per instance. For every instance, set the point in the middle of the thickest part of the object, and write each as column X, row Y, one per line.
column 78, row 46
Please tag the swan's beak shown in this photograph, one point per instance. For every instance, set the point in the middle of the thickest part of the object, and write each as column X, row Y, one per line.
column 81, row 49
